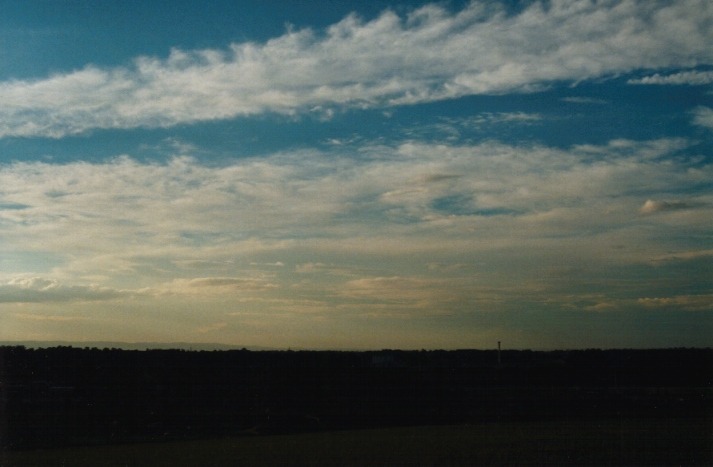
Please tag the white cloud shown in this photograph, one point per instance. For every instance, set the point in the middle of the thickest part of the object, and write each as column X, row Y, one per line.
column 428, row 55
column 703, row 116
column 252, row 227
column 684, row 77
column 324, row 241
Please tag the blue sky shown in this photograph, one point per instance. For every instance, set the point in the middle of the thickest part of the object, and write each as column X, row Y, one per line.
column 378, row 174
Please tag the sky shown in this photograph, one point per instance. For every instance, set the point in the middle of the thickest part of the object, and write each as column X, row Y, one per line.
column 357, row 175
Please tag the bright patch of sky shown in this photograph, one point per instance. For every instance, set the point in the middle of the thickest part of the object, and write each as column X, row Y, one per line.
column 345, row 175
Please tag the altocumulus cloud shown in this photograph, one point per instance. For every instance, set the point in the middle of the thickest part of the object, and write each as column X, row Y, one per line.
column 429, row 54
column 129, row 222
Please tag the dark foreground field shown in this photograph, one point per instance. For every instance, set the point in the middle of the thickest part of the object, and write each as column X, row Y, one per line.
column 606, row 442
column 72, row 406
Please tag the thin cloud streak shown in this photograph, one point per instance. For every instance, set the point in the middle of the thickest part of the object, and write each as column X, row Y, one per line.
column 427, row 55
column 652, row 207
column 684, row 77
column 41, row 290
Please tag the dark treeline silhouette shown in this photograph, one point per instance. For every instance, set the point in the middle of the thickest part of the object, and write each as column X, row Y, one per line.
column 72, row 396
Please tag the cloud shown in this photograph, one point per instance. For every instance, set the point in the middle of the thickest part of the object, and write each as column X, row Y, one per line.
column 200, row 264
column 215, row 286
column 684, row 77
column 41, row 290
column 329, row 239
column 703, row 116
column 309, row 268
column 452, row 128
column 211, row 328
column 380, row 229
column 604, row 307
column 676, row 303
column 651, row 206
column 50, row 318
column 276, row 264
column 435, row 178
column 499, row 118
column 382, row 295
column 679, row 302
column 686, row 255
column 585, row 100
column 429, row 54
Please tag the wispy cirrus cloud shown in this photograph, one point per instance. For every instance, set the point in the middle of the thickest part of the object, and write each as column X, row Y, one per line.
column 500, row 118
column 684, row 77
column 452, row 128
column 585, row 100
column 429, row 54
column 686, row 255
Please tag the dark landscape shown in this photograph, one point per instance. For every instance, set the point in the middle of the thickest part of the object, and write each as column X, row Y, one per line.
column 461, row 406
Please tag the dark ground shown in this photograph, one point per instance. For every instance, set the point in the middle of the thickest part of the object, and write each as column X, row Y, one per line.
column 586, row 442
column 605, row 406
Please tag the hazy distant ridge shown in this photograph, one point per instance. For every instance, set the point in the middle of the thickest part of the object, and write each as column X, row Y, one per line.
column 131, row 345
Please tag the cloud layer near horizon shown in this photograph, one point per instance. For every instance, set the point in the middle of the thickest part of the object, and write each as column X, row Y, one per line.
column 429, row 54
column 260, row 229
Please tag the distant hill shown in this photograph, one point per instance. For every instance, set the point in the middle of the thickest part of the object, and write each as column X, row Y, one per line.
column 131, row 345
